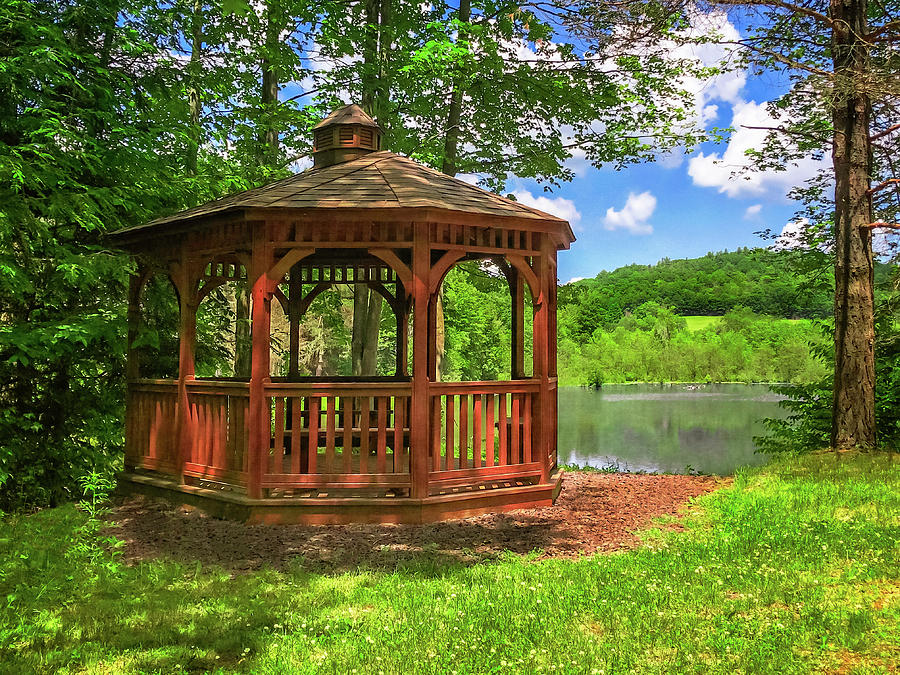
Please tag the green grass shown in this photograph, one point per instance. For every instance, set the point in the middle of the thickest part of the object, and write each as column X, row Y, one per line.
column 792, row 569
column 695, row 323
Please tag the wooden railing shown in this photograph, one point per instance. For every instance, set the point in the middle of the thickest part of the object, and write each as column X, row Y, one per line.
column 219, row 431
column 338, row 435
column 482, row 431
column 150, row 441
column 330, row 435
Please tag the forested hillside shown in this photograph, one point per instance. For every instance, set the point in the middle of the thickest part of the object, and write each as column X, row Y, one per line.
column 711, row 285
column 628, row 324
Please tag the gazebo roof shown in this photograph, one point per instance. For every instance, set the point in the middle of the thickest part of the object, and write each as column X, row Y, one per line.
column 378, row 180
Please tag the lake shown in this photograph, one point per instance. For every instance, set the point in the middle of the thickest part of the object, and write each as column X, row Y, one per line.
column 664, row 427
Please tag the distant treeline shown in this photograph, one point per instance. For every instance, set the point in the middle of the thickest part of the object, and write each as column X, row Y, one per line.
column 653, row 344
column 759, row 279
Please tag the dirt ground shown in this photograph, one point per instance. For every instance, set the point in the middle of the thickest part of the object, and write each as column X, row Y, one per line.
column 595, row 512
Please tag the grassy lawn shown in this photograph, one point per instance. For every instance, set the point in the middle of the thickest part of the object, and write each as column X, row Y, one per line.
column 695, row 323
column 701, row 322
column 793, row 569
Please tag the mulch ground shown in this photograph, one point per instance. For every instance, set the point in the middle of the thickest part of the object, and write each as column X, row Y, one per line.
column 595, row 512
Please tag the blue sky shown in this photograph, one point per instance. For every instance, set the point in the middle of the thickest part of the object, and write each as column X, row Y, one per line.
column 684, row 205
column 673, row 213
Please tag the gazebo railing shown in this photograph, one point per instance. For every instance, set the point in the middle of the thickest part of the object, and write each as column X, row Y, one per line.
column 482, row 431
column 219, row 415
column 150, row 441
column 338, row 435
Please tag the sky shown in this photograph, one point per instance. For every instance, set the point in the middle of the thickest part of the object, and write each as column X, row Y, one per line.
column 686, row 204
column 683, row 205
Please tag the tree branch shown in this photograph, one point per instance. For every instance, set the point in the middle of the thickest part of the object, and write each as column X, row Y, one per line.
column 886, row 132
column 882, row 185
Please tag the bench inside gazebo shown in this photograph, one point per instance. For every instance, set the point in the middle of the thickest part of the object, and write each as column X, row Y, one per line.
column 400, row 448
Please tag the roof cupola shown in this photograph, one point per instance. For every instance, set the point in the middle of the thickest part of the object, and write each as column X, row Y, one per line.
column 347, row 133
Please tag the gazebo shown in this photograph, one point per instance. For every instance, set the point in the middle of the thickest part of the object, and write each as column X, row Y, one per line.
column 404, row 448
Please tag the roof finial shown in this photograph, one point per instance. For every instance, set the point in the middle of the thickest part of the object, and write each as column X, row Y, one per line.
column 347, row 133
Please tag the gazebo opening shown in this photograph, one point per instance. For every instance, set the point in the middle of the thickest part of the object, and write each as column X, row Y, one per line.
column 485, row 323
column 312, row 381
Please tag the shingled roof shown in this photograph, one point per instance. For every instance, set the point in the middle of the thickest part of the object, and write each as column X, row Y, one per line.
column 378, row 180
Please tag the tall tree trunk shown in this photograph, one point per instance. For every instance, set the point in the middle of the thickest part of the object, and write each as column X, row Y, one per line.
column 853, row 412
column 194, row 102
column 449, row 167
column 375, row 91
column 454, row 110
column 268, row 130
column 267, row 155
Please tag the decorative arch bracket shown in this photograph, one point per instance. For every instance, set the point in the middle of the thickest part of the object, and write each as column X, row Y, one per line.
column 531, row 278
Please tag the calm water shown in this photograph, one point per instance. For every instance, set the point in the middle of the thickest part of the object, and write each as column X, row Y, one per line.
column 667, row 427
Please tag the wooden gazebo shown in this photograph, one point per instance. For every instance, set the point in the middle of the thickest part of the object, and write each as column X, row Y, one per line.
column 406, row 448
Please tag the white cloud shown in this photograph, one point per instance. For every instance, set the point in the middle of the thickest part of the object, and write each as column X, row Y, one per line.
column 574, row 279
column 470, row 178
column 791, row 235
column 752, row 211
column 557, row 206
column 730, row 172
column 634, row 215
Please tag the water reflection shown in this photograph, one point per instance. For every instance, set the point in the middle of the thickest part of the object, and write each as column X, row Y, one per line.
column 667, row 427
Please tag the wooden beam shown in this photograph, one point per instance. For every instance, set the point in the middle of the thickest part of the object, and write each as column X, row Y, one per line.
column 517, row 342
column 276, row 273
column 259, row 417
column 442, row 266
column 185, row 427
column 419, row 421
column 534, row 283
column 401, row 269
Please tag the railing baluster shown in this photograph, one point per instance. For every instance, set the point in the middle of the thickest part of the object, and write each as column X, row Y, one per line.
column 347, row 423
column 490, row 435
column 364, row 434
column 399, row 435
column 276, row 459
column 296, row 433
column 436, row 432
column 504, row 447
column 329, row 434
column 448, row 441
column 526, row 429
column 381, row 443
column 476, row 430
column 516, row 450
column 463, row 431
column 314, row 403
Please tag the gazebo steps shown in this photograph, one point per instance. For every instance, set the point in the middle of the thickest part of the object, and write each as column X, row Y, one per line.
column 332, row 510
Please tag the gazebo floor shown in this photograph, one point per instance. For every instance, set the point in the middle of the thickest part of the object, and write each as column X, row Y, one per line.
column 321, row 507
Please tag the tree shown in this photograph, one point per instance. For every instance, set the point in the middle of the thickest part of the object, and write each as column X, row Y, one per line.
column 840, row 56
column 75, row 133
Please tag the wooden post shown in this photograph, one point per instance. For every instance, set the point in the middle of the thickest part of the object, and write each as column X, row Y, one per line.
column 419, row 422
column 295, row 296
column 187, row 332
column 551, row 366
column 542, row 411
column 402, row 313
column 132, row 362
column 261, row 294
column 551, row 317
column 517, row 343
